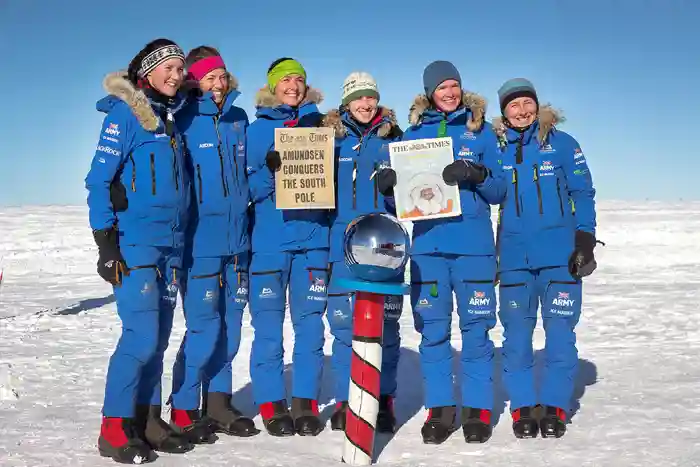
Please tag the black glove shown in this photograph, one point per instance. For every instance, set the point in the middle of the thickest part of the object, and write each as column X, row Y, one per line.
column 273, row 161
column 582, row 261
column 464, row 171
column 117, row 195
column 386, row 181
column 110, row 263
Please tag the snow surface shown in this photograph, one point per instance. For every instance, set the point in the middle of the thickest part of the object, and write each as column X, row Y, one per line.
column 639, row 343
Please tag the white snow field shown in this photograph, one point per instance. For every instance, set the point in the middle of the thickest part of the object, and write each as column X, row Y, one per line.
column 639, row 343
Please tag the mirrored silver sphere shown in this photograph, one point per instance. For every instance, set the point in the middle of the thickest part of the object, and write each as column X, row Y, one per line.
column 376, row 247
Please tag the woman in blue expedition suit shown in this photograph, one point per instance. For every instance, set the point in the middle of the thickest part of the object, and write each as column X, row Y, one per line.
column 546, row 237
column 289, row 249
column 363, row 132
column 456, row 255
column 138, row 200
column 216, row 289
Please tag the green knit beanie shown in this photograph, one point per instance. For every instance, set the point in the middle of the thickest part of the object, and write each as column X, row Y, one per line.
column 281, row 68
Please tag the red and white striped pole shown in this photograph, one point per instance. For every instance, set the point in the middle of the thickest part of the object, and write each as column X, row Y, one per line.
column 365, row 369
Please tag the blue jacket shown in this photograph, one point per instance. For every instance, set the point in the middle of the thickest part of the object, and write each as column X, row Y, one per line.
column 137, row 159
column 473, row 139
column 276, row 230
column 215, row 142
column 550, row 196
column 358, row 156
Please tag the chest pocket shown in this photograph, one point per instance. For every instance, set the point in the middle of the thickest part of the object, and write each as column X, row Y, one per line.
column 549, row 185
column 155, row 166
column 367, row 189
column 207, row 154
column 238, row 150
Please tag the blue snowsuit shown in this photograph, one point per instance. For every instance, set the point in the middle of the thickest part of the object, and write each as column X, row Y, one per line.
column 360, row 153
column 457, row 254
column 537, row 224
column 136, row 154
column 216, row 290
column 290, row 248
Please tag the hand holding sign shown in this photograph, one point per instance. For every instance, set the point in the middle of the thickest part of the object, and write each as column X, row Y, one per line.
column 305, row 179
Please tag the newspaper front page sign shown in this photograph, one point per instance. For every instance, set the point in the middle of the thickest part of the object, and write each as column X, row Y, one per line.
column 420, row 191
column 305, row 180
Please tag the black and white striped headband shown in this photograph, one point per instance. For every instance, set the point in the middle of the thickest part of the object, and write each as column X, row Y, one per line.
column 158, row 56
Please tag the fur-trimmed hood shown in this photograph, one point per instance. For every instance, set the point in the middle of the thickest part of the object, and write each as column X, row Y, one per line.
column 472, row 101
column 117, row 85
column 265, row 98
column 334, row 119
column 547, row 117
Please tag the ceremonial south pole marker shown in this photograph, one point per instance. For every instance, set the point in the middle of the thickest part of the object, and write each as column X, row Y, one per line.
column 365, row 370
column 375, row 251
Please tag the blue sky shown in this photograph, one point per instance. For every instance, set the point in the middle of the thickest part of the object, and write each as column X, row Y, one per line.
column 624, row 72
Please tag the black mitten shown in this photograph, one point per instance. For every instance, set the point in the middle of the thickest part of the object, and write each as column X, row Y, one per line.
column 110, row 263
column 386, row 181
column 464, row 171
column 582, row 261
column 273, row 161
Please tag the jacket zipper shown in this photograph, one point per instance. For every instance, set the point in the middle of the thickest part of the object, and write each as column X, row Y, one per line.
column 499, row 228
column 536, row 179
column 235, row 160
column 153, row 173
column 224, row 185
column 223, row 175
column 176, row 170
column 519, row 150
column 376, row 186
column 561, row 202
column 199, row 182
column 354, row 185
column 517, row 193
column 133, row 172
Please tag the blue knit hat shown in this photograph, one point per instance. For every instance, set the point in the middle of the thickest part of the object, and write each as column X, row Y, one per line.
column 438, row 72
column 514, row 88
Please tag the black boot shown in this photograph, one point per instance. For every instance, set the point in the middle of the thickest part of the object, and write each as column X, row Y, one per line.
column 439, row 425
column 553, row 422
column 386, row 421
column 119, row 440
column 525, row 423
column 305, row 414
column 277, row 419
column 157, row 433
column 476, row 425
column 338, row 417
column 190, row 424
column 223, row 417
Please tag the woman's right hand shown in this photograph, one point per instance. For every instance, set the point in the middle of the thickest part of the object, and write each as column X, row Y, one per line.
column 110, row 263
